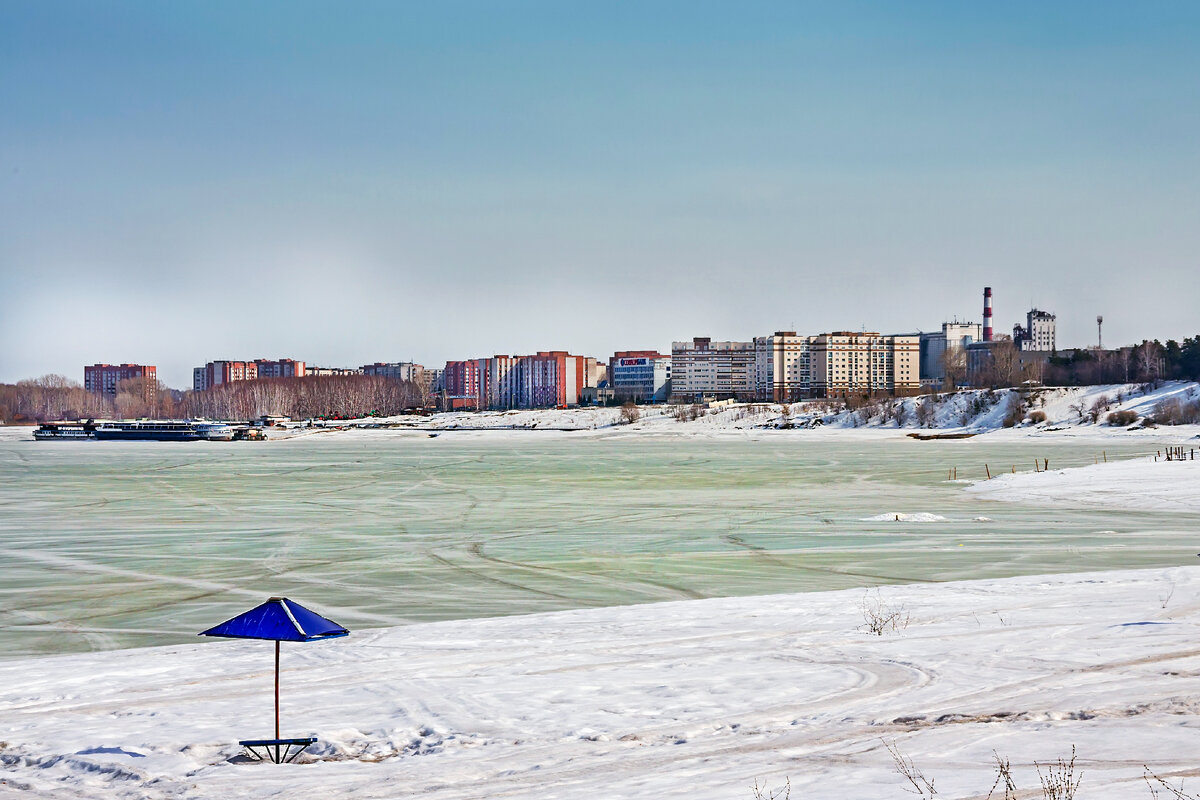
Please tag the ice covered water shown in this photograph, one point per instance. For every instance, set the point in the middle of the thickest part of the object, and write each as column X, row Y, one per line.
column 106, row 544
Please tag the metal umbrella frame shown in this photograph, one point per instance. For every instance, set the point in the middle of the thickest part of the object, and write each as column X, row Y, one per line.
column 279, row 620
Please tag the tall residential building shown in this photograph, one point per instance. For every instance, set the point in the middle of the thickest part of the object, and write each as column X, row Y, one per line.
column 643, row 376
column 105, row 378
column 544, row 380
column 846, row 363
column 326, row 372
column 953, row 336
column 283, row 368
column 1038, row 332
column 502, row 382
column 216, row 373
column 704, row 367
column 399, row 370
column 782, row 367
column 553, row 378
column 461, row 382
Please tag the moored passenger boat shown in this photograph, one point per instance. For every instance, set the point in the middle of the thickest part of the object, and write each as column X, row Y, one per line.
column 165, row 430
column 65, row 431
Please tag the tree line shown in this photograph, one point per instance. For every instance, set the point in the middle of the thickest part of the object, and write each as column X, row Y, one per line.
column 56, row 397
column 1005, row 365
column 1147, row 362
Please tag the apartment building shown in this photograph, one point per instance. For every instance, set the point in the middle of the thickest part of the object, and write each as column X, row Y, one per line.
column 326, row 372
column 216, row 373
column 462, row 384
column 105, row 378
column 846, row 363
column 782, row 367
column 554, row 378
column 547, row 379
column 502, row 382
column 704, row 367
column 283, row 368
column 398, row 370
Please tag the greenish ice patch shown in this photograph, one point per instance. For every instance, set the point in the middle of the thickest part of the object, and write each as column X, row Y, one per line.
column 109, row 545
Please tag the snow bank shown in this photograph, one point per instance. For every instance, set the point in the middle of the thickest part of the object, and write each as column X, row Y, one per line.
column 1143, row 484
column 695, row 699
column 1067, row 411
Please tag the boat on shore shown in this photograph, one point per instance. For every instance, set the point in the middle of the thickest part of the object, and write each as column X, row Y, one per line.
column 188, row 430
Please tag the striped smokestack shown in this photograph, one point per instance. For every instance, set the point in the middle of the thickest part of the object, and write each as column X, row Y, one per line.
column 987, row 313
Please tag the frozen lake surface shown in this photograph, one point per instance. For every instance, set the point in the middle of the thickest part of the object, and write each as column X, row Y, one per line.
column 112, row 545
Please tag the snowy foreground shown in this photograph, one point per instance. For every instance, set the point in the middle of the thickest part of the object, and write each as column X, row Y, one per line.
column 695, row 699
column 1142, row 484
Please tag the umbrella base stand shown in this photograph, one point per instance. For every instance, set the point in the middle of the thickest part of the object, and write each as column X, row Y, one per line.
column 279, row 751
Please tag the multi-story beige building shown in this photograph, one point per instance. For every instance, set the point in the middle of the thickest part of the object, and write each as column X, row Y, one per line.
column 704, row 367
column 846, row 363
column 783, row 368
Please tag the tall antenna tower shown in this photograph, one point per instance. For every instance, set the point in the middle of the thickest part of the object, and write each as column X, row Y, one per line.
column 1099, row 332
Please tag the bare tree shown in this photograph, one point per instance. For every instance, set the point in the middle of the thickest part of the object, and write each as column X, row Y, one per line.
column 1148, row 360
column 1005, row 365
column 954, row 365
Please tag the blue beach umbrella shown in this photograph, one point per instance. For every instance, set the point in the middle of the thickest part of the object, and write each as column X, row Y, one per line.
column 278, row 620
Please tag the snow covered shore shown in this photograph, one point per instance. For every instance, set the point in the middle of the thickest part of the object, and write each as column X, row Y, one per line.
column 1067, row 411
column 1142, row 483
column 695, row 699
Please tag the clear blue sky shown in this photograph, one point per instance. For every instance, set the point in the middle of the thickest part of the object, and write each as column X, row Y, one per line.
column 347, row 183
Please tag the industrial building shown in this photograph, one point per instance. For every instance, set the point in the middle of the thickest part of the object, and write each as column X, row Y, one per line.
column 1038, row 332
column 953, row 337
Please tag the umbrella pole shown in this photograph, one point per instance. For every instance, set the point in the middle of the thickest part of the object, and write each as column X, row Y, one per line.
column 277, row 699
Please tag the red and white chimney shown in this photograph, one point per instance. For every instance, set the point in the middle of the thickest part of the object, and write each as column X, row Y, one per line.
column 987, row 313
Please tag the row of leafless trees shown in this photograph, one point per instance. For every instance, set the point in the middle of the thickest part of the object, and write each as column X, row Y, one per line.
column 54, row 397
column 333, row 396
column 1138, row 364
column 1005, row 365
column 50, row 397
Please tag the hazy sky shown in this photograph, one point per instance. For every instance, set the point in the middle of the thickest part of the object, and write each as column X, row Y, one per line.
column 353, row 182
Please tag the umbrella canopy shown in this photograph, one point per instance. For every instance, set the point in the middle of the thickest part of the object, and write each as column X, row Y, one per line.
column 278, row 619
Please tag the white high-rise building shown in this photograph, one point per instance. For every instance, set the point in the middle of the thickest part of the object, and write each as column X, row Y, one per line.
column 782, row 367
column 704, row 367
column 846, row 363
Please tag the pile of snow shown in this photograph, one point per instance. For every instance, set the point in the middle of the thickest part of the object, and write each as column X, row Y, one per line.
column 1142, row 483
column 696, row 699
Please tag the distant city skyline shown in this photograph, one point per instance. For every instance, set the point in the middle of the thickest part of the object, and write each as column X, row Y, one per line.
column 185, row 182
